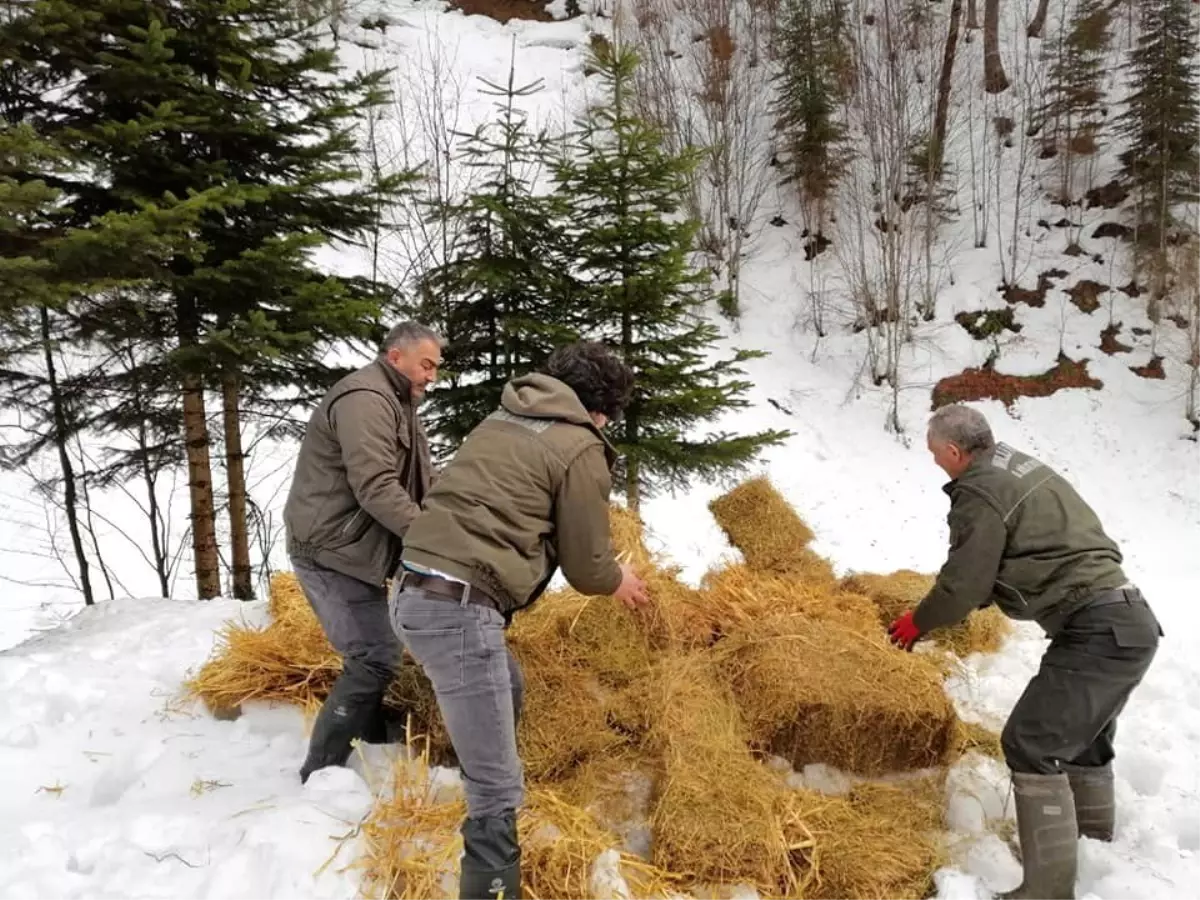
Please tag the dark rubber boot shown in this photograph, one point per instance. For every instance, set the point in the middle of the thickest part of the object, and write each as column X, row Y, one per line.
column 1095, row 811
column 387, row 725
column 491, row 861
column 345, row 715
column 1048, row 834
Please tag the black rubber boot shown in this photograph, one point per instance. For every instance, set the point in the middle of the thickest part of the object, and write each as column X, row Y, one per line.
column 386, row 726
column 345, row 715
column 491, row 861
column 1095, row 811
column 1048, row 834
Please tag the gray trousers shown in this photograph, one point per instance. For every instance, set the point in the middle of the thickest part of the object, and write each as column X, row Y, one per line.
column 479, row 688
column 1068, row 712
column 354, row 616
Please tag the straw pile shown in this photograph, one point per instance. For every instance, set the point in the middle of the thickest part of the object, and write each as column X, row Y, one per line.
column 290, row 660
column 414, row 843
column 983, row 631
column 881, row 840
column 648, row 731
column 738, row 596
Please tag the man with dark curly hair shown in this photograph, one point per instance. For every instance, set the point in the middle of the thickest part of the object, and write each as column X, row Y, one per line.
column 526, row 493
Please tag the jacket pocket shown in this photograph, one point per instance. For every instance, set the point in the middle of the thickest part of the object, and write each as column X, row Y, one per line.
column 354, row 529
column 1011, row 594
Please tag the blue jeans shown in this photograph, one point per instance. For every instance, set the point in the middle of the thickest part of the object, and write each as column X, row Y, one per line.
column 479, row 688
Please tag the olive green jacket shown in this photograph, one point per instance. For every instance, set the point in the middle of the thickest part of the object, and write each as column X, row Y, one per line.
column 526, row 492
column 1022, row 538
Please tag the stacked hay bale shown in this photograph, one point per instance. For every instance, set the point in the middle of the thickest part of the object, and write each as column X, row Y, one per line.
column 716, row 813
column 763, row 526
column 650, row 731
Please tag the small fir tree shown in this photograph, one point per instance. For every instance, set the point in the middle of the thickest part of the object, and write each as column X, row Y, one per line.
column 1161, row 123
column 1162, row 115
column 814, row 77
column 638, row 293
column 1074, row 109
column 503, row 297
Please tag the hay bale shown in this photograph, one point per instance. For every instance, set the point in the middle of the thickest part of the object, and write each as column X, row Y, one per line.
column 564, row 722
column 289, row 660
column 736, row 596
column 716, row 815
column 760, row 523
column 983, row 631
column 881, row 840
column 817, row 691
column 974, row 737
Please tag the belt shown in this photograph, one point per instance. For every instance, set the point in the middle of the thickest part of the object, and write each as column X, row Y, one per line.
column 445, row 589
column 1126, row 593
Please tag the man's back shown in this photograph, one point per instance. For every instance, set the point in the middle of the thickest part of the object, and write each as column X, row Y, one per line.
column 1057, row 552
column 527, row 491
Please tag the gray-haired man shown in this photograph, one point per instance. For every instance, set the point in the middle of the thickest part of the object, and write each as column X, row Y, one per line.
column 361, row 476
column 1023, row 539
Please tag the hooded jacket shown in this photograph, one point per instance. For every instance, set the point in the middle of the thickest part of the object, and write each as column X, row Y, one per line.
column 526, row 493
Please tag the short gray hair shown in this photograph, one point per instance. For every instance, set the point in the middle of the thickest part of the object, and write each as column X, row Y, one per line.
column 408, row 333
column 962, row 426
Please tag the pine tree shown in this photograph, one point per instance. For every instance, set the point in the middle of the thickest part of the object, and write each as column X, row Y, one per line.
column 639, row 294
column 814, row 77
column 1162, row 125
column 1074, row 110
column 45, row 267
column 233, row 101
column 503, row 296
column 1162, row 115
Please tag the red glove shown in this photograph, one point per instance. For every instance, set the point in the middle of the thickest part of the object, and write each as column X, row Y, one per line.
column 903, row 633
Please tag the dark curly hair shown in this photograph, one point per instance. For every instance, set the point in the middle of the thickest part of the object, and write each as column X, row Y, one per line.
column 603, row 383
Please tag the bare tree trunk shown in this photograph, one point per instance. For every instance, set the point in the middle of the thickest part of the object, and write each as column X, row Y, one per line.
column 154, row 515
column 633, row 491
column 972, row 16
column 994, row 79
column 91, row 525
column 70, row 498
column 1038, row 24
column 235, row 470
column 945, row 80
column 200, row 489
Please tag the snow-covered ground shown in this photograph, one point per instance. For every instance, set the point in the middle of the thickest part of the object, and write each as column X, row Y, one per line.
column 112, row 786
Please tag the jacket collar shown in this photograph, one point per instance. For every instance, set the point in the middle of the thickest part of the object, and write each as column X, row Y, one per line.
column 399, row 383
column 981, row 459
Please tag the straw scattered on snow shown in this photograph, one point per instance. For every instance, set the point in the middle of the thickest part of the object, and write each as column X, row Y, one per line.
column 649, row 728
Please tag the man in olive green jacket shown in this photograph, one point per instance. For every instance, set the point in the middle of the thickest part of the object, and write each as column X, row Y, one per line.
column 1023, row 539
column 526, row 493
column 361, row 475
